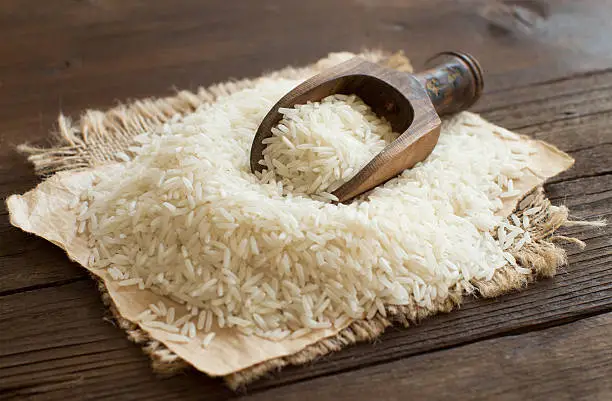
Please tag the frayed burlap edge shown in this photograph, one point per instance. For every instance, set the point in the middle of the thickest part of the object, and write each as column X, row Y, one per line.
column 99, row 135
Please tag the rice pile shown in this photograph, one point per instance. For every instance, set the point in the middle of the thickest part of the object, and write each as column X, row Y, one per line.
column 185, row 218
column 317, row 147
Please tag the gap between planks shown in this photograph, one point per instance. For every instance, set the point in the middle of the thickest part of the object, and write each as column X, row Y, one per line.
column 556, row 354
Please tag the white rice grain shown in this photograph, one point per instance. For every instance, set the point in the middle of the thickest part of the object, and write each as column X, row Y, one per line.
column 268, row 253
column 161, row 325
column 177, row 338
column 208, row 339
column 532, row 211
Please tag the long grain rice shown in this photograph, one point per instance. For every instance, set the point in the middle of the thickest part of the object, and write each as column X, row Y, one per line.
column 268, row 254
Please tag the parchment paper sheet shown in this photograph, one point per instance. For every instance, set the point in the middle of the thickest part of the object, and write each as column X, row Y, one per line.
column 45, row 211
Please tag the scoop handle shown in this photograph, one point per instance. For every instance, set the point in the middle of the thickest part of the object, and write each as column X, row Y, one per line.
column 453, row 81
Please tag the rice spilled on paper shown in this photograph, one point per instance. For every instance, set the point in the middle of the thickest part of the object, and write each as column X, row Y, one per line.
column 268, row 254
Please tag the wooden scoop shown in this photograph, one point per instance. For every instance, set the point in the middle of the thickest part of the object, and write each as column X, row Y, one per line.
column 412, row 105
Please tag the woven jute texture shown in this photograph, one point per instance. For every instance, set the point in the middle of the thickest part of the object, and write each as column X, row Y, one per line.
column 97, row 136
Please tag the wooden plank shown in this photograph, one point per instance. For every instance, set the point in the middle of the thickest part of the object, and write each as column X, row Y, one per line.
column 572, row 85
column 548, row 110
column 64, row 347
column 590, row 162
column 581, row 191
column 574, row 134
column 28, row 262
column 90, row 54
column 569, row 362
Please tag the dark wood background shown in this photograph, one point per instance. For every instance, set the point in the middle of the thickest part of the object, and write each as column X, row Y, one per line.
column 548, row 74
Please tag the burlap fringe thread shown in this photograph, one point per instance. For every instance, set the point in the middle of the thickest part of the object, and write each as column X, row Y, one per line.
column 101, row 134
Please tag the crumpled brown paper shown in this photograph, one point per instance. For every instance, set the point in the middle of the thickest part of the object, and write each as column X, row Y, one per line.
column 46, row 212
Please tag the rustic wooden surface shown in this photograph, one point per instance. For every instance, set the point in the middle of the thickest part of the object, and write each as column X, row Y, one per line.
column 549, row 75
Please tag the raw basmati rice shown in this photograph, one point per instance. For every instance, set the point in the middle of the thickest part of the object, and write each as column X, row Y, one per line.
column 318, row 146
column 208, row 339
column 269, row 255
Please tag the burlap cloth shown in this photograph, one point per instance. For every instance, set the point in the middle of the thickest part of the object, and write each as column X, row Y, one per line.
column 93, row 141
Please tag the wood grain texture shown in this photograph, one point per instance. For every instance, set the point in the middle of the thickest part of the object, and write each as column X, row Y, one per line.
column 568, row 362
column 549, row 75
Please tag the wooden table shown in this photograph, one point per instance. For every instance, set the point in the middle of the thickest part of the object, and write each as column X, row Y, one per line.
column 549, row 75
